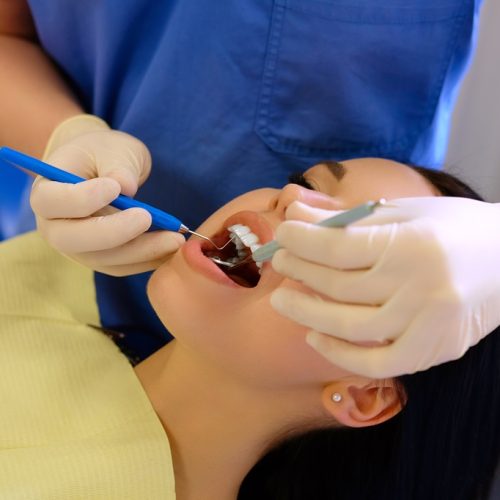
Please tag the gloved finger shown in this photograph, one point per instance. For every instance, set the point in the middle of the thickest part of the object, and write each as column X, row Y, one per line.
column 397, row 210
column 128, row 270
column 415, row 348
column 377, row 361
column 128, row 158
column 351, row 322
column 372, row 361
column 307, row 213
column 73, row 236
column 369, row 287
column 148, row 247
column 74, row 159
column 128, row 182
column 341, row 248
column 58, row 200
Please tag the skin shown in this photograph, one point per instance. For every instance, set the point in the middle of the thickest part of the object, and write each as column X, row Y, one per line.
column 239, row 376
column 34, row 97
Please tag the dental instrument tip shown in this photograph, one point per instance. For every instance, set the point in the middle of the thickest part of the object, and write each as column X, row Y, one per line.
column 184, row 229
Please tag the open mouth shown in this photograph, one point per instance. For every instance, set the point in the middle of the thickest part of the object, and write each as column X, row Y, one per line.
column 246, row 275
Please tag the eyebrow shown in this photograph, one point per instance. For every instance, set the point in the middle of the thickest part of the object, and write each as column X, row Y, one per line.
column 337, row 169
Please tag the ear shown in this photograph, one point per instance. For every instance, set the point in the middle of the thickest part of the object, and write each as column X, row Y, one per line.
column 363, row 402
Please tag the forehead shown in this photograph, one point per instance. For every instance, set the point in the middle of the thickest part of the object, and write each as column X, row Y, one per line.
column 367, row 178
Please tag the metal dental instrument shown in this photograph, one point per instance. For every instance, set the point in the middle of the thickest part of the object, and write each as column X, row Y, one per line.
column 231, row 265
column 161, row 220
column 266, row 252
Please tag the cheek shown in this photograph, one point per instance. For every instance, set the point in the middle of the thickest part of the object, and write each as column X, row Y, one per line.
column 158, row 292
column 292, row 359
column 256, row 344
column 182, row 299
column 244, row 336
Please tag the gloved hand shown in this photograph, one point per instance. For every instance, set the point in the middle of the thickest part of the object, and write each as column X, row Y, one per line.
column 413, row 285
column 75, row 218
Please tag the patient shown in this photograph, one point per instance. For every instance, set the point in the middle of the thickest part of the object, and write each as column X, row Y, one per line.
column 238, row 405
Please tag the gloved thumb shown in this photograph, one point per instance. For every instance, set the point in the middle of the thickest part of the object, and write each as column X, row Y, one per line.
column 300, row 211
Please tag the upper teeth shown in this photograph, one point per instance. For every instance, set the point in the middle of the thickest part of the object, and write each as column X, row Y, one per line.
column 242, row 237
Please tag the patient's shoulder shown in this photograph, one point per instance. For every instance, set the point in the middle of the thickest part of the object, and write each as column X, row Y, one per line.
column 27, row 245
column 36, row 280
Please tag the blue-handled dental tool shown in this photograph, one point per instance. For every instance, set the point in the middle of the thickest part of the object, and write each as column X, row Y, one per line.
column 161, row 220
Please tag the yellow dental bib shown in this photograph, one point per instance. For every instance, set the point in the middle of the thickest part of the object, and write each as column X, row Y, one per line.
column 74, row 419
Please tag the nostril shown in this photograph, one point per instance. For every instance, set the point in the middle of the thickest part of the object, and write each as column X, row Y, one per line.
column 273, row 203
column 289, row 194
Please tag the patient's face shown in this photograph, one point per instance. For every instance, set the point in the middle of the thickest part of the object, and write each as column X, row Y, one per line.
column 235, row 326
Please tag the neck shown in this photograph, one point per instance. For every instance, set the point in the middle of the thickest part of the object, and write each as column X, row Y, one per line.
column 217, row 428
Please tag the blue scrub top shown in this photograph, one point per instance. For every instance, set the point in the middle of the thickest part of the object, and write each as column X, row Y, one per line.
column 234, row 95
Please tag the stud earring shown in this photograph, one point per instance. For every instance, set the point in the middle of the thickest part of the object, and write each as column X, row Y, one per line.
column 336, row 397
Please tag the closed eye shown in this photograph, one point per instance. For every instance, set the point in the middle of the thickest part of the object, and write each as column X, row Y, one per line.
column 298, row 178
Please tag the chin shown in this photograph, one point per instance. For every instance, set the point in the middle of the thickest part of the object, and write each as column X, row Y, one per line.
column 177, row 297
column 159, row 289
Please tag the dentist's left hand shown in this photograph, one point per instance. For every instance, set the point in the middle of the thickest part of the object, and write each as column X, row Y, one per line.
column 411, row 286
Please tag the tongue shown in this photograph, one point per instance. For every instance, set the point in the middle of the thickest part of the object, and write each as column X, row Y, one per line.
column 240, row 280
column 247, row 275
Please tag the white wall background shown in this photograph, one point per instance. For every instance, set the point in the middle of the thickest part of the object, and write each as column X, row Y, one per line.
column 474, row 148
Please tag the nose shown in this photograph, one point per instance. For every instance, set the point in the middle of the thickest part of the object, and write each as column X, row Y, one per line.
column 289, row 194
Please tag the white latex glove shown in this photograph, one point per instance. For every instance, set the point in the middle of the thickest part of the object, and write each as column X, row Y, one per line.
column 420, row 278
column 75, row 218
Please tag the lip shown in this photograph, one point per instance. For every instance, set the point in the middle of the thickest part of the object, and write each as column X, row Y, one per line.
column 192, row 250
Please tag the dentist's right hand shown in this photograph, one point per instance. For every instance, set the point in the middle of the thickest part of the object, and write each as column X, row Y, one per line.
column 76, row 220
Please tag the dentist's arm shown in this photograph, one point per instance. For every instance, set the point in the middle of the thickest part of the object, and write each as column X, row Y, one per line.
column 41, row 117
column 33, row 95
column 411, row 286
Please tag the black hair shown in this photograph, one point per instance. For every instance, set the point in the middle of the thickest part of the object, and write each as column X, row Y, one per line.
column 447, row 183
column 443, row 445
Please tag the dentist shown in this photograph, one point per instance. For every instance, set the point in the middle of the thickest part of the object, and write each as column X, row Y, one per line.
column 211, row 100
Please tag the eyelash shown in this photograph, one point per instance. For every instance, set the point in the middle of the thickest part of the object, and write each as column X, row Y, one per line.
column 298, row 178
